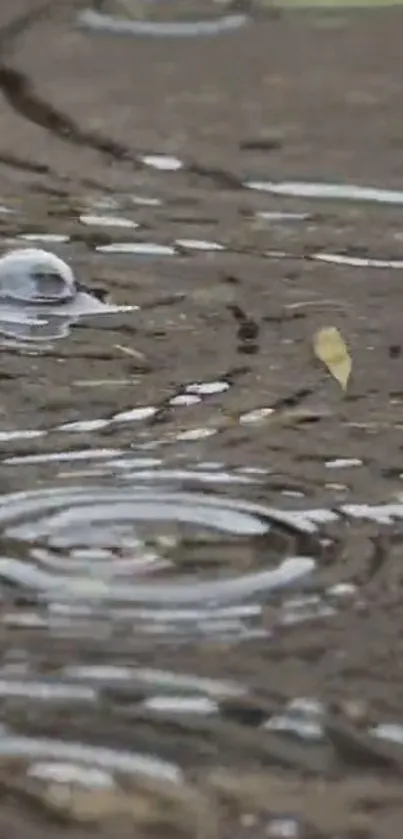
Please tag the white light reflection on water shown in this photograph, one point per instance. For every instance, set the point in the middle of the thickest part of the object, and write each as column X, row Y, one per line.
column 356, row 261
column 107, row 221
column 302, row 717
column 208, row 388
column 78, row 620
column 283, row 828
column 48, row 322
column 47, row 691
column 146, row 200
column 144, row 469
column 163, row 162
column 71, row 773
column 184, row 400
column 268, row 215
column 94, row 589
column 343, row 463
column 23, row 434
column 200, row 705
column 341, row 192
column 99, row 22
column 153, row 678
column 191, row 435
column 33, row 748
column 393, row 732
column 62, row 457
column 48, row 238
column 199, row 245
column 300, row 609
column 137, row 248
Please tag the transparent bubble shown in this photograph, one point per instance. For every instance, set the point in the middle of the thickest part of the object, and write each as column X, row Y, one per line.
column 33, row 275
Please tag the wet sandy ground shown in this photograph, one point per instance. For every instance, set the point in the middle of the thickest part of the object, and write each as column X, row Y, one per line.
column 293, row 96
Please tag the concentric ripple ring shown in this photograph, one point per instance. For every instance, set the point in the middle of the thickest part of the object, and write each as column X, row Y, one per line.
column 29, row 517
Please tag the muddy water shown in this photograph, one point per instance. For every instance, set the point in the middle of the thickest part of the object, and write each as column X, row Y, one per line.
column 200, row 565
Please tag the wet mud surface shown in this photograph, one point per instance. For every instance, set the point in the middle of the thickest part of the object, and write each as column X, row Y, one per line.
column 200, row 566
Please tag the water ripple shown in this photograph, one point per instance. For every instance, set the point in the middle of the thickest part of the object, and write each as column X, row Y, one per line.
column 59, row 527
column 13, row 745
column 99, row 22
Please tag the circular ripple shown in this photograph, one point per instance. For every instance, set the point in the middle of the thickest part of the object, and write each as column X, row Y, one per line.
column 94, row 543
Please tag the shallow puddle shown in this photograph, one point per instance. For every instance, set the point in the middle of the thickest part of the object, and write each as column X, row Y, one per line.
column 200, row 564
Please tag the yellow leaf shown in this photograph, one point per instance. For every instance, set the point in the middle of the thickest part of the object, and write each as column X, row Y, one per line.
column 330, row 348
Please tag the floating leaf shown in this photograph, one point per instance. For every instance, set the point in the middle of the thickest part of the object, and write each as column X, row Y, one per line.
column 330, row 348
